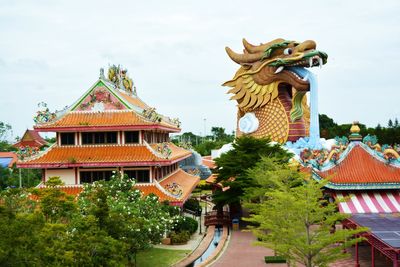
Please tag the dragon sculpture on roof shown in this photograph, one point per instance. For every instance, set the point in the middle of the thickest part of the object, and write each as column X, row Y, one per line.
column 271, row 91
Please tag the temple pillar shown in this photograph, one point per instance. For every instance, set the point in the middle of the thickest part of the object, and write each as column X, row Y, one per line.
column 357, row 261
column 372, row 256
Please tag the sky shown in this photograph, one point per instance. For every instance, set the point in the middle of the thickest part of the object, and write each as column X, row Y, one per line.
column 52, row 51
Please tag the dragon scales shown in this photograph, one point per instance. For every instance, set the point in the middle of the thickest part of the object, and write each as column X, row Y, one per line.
column 270, row 88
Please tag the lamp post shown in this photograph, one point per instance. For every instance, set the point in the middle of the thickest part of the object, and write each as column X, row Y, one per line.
column 201, row 210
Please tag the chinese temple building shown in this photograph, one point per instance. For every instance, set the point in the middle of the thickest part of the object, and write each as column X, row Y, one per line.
column 365, row 179
column 110, row 128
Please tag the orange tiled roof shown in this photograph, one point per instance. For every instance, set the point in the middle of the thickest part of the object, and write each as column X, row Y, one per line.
column 82, row 119
column 361, row 167
column 207, row 161
column 31, row 138
column 152, row 189
column 101, row 155
column 186, row 181
column 136, row 101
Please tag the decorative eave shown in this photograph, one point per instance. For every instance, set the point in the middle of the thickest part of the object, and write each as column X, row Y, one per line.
column 109, row 128
column 356, row 186
column 119, row 156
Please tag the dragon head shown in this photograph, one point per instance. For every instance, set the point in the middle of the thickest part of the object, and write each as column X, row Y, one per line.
column 266, row 67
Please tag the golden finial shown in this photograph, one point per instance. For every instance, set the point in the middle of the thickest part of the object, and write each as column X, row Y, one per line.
column 355, row 128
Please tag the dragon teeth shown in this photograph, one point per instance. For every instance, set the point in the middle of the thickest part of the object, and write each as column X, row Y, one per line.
column 279, row 69
column 320, row 62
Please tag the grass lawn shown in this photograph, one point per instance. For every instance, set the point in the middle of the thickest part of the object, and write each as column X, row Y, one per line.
column 157, row 257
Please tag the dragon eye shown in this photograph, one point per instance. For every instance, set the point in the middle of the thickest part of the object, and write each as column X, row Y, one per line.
column 287, row 51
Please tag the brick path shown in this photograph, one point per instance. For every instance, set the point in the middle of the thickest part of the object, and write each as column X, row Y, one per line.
column 241, row 253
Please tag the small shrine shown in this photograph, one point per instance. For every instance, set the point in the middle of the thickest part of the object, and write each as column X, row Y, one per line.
column 109, row 128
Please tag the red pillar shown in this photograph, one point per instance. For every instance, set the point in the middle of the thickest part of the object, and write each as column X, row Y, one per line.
column 372, row 256
column 357, row 262
column 395, row 261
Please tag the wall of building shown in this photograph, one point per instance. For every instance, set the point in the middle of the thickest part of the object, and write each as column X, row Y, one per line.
column 66, row 175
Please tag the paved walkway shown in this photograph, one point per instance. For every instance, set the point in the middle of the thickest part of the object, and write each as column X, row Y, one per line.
column 241, row 253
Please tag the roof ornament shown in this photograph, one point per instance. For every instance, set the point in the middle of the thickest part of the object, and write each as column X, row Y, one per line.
column 355, row 132
column 44, row 115
column 102, row 74
column 118, row 76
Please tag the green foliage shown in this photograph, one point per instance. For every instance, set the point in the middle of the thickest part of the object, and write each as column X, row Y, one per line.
column 125, row 215
column 386, row 135
column 10, row 177
column 156, row 257
column 55, row 204
column 180, row 237
column 186, row 224
column 274, row 259
column 192, row 204
column 297, row 221
column 5, row 130
column 204, row 145
column 269, row 174
column 232, row 166
column 110, row 224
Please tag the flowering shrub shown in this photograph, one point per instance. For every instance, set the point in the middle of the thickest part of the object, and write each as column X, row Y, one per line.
column 125, row 214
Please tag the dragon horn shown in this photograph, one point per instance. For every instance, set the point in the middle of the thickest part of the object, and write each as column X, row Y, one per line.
column 259, row 48
column 243, row 58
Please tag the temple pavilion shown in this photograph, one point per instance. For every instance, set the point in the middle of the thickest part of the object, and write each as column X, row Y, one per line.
column 365, row 179
column 109, row 128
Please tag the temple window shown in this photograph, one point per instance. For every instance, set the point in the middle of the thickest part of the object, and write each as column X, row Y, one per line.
column 132, row 137
column 141, row 176
column 92, row 176
column 90, row 138
column 67, row 138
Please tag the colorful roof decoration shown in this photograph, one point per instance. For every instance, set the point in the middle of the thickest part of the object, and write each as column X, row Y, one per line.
column 104, row 155
column 7, row 159
column 31, row 138
column 180, row 184
column 368, row 202
column 355, row 165
column 102, row 99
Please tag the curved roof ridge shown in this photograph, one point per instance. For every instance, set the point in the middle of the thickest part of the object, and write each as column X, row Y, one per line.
column 40, row 154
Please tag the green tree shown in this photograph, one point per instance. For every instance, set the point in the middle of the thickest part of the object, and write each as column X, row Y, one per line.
column 5, row 130
column 268, row 174
column 54, row 203
column 232, row 168
column 297, row 223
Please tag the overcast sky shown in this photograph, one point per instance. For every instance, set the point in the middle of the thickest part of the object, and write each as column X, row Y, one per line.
column 52, row 51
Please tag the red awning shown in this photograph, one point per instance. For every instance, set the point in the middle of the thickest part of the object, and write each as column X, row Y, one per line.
column 368, row 202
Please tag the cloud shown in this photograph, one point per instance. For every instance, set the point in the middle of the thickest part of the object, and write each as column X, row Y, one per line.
column 51, row 51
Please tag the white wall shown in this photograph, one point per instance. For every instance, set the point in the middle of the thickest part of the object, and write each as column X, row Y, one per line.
column 66, row 175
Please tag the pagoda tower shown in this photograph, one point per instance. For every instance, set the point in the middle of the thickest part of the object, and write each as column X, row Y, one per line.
column 109, row 128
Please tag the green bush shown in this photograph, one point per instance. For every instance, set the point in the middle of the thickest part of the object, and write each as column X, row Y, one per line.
column 187, row 224
column 192, row 204
column 275, row 259
column 180, row 237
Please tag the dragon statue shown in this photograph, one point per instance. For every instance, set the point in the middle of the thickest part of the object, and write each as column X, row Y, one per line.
column 270, row 88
